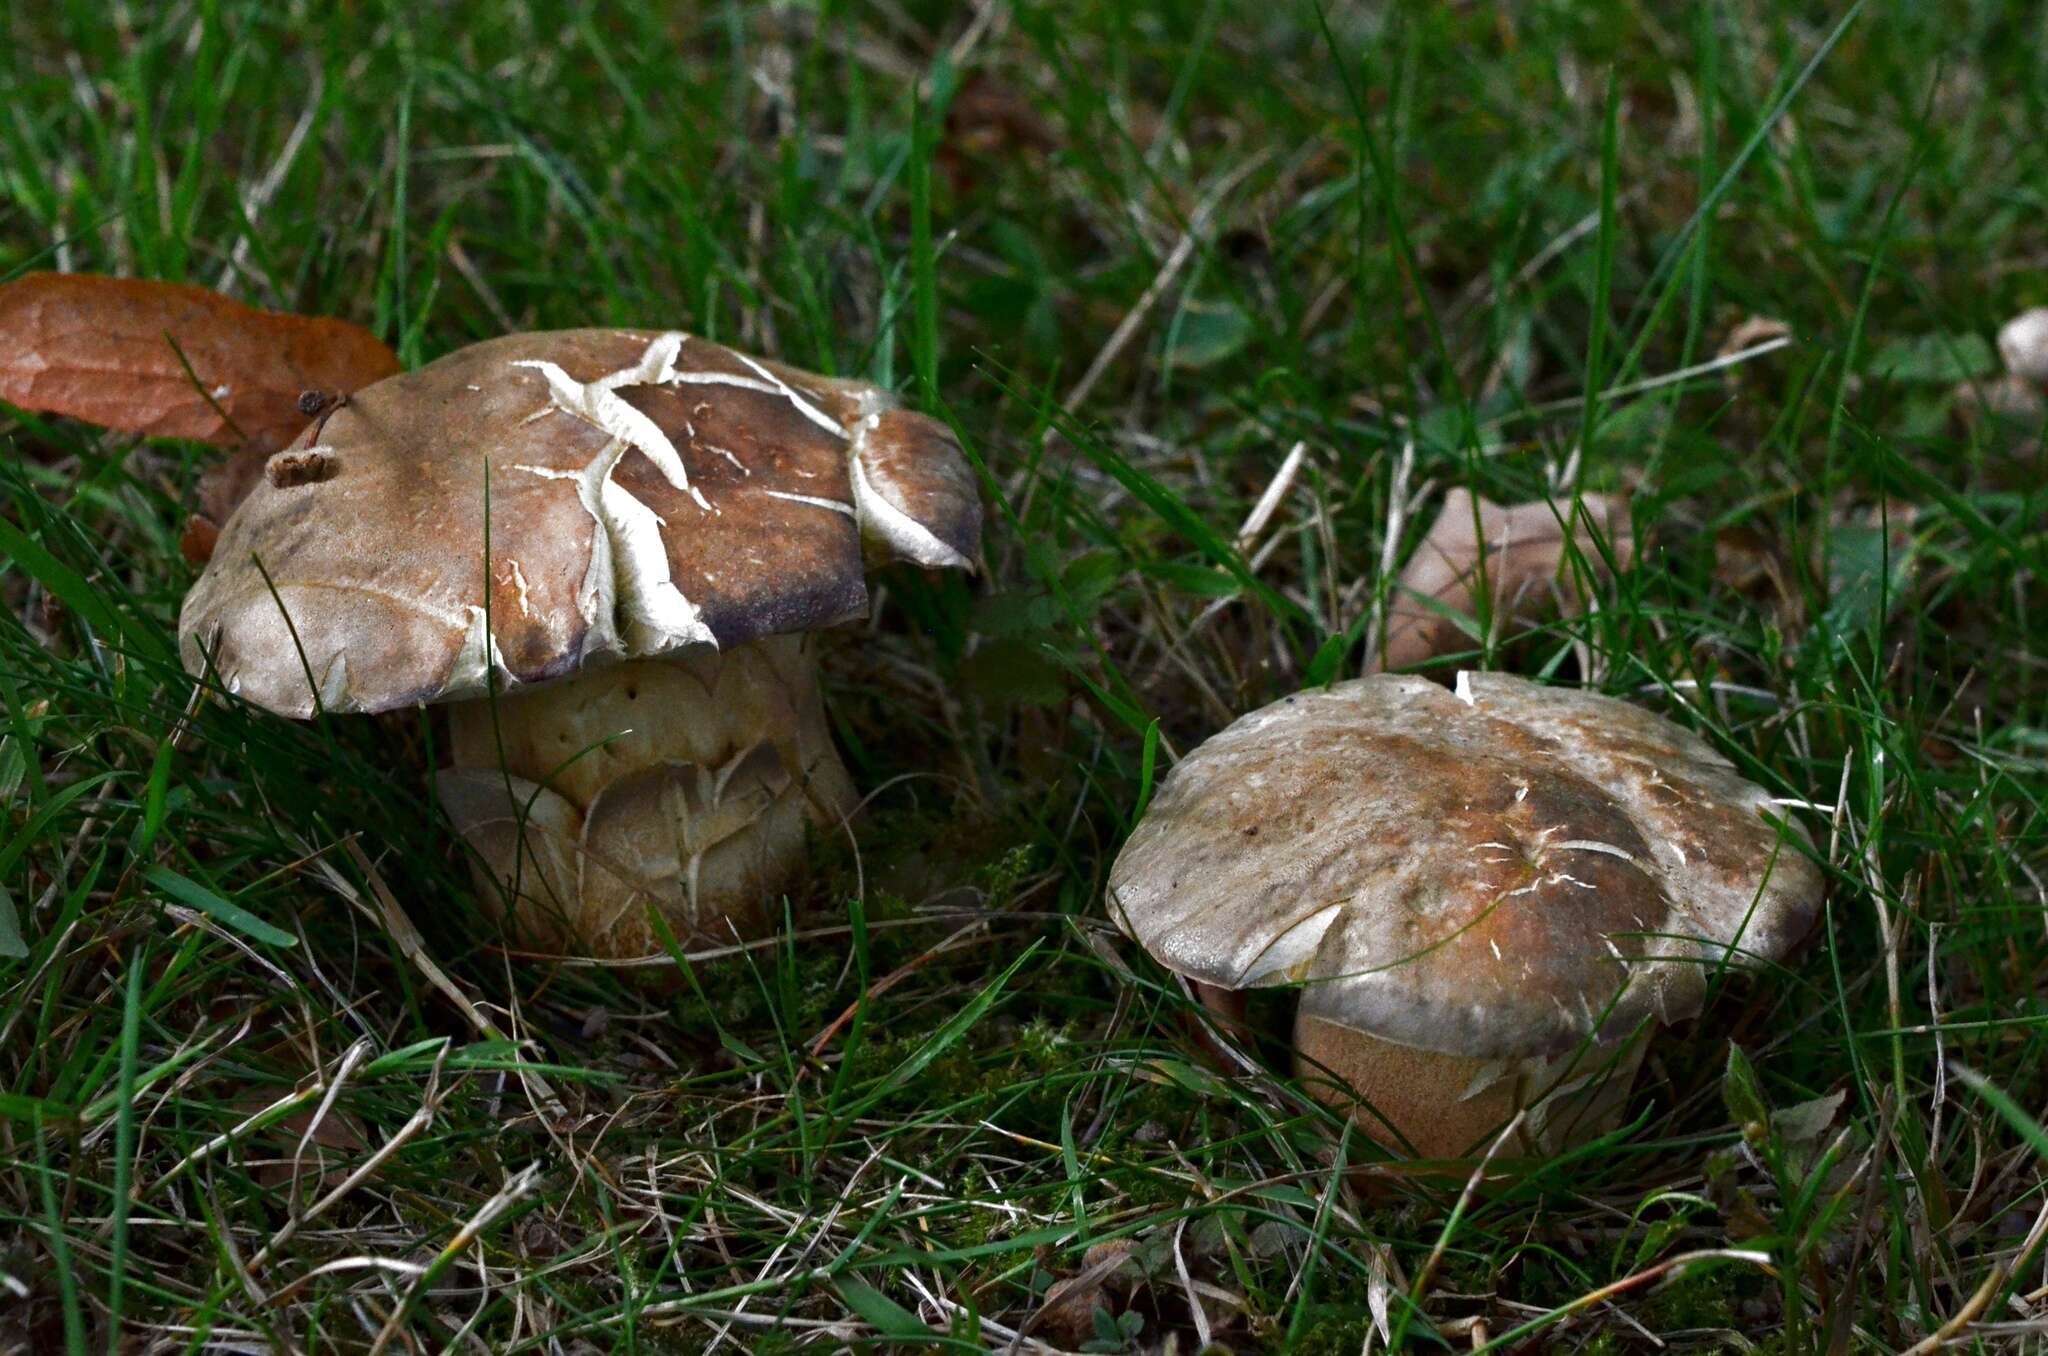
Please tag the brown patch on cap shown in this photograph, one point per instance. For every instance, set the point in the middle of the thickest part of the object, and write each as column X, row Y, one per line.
column 1500, row 872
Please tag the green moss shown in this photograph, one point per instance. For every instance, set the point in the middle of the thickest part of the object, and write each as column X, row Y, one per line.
column 1334, row 1334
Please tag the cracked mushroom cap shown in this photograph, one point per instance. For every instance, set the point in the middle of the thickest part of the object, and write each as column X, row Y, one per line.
column 647, row 492
column 1497, row 872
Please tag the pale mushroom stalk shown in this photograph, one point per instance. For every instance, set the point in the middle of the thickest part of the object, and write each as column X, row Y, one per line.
column 1487, row 898
column 684, row 782
column 621, row 619
column 1445, row 1106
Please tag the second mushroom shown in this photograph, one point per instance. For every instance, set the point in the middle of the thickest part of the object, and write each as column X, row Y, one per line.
column 1488, row 897
column 606, row 549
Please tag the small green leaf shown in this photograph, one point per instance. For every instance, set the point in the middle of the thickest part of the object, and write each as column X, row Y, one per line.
column 11, row 943
column 1327, row 663
column 1741, row 1091
column 1199, row 580
column 947, row 1036
column 1091, row 577
column 879, row 1312
column 2015, row 1115
column 153, row 797
column 1015, row 614
column 1869, row 569
column 233, row 916
column 1935, row 358
column 1148, row 765
column 1206, row 333
column 1328, row 659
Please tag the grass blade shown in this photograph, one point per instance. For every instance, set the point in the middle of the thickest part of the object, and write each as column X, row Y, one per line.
column 232, row 916
column 124, row 1144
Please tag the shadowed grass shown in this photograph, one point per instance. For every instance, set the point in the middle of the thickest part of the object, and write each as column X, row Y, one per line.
column 1135, row 253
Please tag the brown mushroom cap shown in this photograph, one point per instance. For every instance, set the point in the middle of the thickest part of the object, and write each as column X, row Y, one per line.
column 1496, row 872
column 648, row 492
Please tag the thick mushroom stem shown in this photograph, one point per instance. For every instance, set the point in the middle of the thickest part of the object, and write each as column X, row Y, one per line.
column 1452, row 1106
column 683, row 783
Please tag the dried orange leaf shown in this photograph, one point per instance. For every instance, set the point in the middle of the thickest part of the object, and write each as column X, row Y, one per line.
column 198, row 538
column 1524, row 547
column 102, row 349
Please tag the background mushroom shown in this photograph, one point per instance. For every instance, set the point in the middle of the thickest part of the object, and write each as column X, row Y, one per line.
column 2023, row 345
column 607, row 547
column 1488, row 894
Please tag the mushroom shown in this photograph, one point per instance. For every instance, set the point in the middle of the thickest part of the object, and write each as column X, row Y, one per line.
column 1488, row 895
column 2023, row 345
column 606, row 549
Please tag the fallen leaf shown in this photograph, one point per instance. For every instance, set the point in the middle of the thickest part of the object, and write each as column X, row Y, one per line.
column 101, row 349
column 1809, row 1120
column 196, row 542
column 1524, row 548
column 221, row 487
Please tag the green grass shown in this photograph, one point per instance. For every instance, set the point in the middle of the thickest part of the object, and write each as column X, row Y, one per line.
column 236, row 1113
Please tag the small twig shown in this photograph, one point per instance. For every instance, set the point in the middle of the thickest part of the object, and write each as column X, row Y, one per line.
column 350, row 1058
column 1187, row 1285
column 272, row 180
column 1399, row 505
column 403, row 931
column 1646, row 384
column 515, row 1187
column 256, row 1119
column 471, row 274
column 1635, row 1280
column 420, row 1120
column 1269, row 503
column 888, row 982
column 1963, row 1317
column 319, row 406
column 661, row 959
